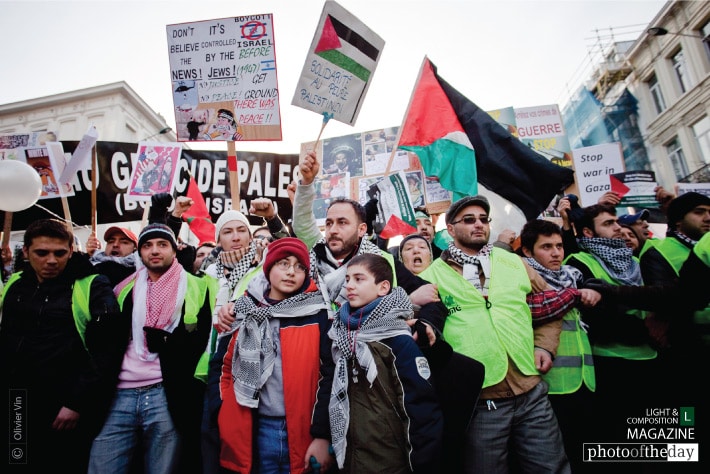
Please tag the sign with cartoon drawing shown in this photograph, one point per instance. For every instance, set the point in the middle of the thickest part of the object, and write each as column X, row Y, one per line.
column 154, row 170
column 223, row 75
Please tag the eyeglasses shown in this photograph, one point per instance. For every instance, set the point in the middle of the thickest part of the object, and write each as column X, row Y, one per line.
column 468, row 220
column 283, row 265
column 264, row 237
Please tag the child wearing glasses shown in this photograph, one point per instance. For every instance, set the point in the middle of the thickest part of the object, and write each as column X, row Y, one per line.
column 384, row 412
column 271, row 419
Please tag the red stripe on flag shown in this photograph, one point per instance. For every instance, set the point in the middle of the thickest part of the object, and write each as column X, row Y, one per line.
column 198, row 217
column 396, row 226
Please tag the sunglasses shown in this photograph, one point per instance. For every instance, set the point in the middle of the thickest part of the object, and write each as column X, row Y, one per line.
column 468, row 220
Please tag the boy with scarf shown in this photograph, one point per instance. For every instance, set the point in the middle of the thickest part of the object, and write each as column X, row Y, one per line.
column 278, row 357
column 571, row 379
column 384, row 413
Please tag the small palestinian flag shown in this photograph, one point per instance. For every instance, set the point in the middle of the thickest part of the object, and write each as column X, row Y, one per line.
column 340, row 65
column 346, row 48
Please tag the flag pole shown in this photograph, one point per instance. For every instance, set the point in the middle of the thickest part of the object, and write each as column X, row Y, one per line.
column 326, row 117
column 94, row 180
column 6, row 229
column 233, row 167
column 404, row 119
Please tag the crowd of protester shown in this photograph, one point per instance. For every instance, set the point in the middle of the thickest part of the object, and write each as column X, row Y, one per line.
column 292, row 350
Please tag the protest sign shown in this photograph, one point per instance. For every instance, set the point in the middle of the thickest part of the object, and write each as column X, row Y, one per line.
column 593, row 165
column 223, row 75
column 339, row 66
column 636, row 188
column 154, row 171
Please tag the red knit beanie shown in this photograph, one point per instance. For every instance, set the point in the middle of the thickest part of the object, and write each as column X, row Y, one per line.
column 283, row 248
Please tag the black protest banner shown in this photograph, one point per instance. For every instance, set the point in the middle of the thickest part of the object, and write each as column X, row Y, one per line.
column 260, row 175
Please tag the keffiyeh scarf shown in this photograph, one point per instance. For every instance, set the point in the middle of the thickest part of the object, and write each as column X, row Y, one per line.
column 383, row 318
column 255, row 350
column 566, row 277
column 473, row 266
column 233, row 275
column 615, row 257
column 330, row 274
column 156, row 304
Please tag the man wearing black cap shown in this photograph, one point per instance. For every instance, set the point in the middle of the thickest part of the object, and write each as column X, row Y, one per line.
column 489, row 320
column 170, row 313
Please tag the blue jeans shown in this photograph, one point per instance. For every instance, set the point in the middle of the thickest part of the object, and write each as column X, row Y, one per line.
column 138, row 415
column 272, row 446
column 524, row 427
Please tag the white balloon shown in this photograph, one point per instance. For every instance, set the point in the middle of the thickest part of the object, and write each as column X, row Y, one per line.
column 20, row 186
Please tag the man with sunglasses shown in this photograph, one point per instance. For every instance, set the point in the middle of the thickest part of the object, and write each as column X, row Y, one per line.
column 489, row 320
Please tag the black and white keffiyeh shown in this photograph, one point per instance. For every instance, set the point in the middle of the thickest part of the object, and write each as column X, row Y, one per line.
column 473, row 266
column 233, row 275
column 566, row 277
column 330, row 274
column 383, row 318
column 255, row 349
column 616, row 258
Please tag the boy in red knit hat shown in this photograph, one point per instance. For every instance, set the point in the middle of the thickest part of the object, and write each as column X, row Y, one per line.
column 271, row 419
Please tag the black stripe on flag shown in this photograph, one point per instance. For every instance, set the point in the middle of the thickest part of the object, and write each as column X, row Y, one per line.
column 352, row 37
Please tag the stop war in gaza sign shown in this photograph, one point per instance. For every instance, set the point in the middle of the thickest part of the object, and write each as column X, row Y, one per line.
column 223, row 75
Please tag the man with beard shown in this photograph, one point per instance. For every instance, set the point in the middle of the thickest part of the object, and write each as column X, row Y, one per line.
column 345, row 229
column 624, row 361
column 485, row 290
column 158, row 403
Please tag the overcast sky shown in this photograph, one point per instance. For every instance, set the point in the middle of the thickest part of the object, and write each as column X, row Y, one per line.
column 498, row 53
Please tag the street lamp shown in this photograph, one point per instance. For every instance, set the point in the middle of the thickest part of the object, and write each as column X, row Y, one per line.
column 660, row 31
column 161, row 132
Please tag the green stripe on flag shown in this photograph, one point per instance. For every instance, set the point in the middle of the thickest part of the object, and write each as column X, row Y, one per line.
column 454, row 164
column 344, row 62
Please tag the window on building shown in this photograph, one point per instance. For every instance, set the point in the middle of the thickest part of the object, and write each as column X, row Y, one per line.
column 655, row 88
column 705, row 33
column 681, row 71
column 701, row 130
column 677, row 159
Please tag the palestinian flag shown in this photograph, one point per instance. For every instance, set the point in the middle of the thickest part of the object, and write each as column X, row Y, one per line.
column 432, row 130
column 489, row 155
column 346, row 48
column 198, row 217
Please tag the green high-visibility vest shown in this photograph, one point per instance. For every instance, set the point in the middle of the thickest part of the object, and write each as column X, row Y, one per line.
column 489, row 330
column 573, row 364
column 79, row 301
column 623, row 351
column 675, row 253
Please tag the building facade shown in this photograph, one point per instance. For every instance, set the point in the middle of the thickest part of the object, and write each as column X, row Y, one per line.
column 652, row 95
column 117, row 112
column 671, row 80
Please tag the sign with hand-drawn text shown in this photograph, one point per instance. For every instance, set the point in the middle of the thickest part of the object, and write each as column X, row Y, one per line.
column 223, row 75
column 593, row 166
column 341, row 61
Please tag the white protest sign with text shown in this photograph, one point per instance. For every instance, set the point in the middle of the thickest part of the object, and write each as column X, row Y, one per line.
column 593, row 165
column 338, row 70
column 223, row 75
